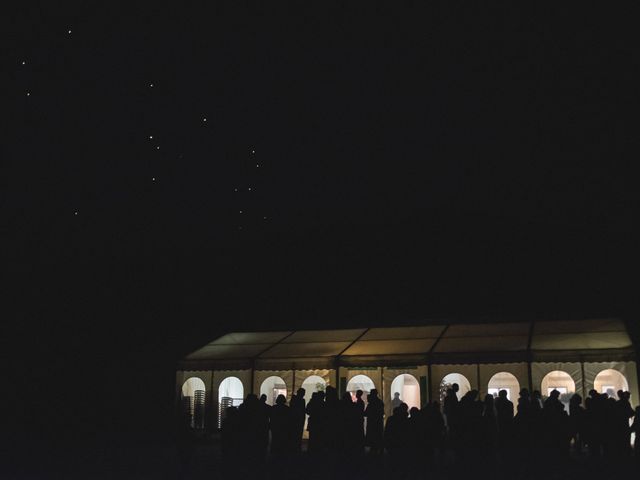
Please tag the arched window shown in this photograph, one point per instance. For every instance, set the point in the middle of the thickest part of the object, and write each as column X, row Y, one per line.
column 311, row 384
column 504, row 381
column 405, row 388
column 193, row 398
column 360, row 382
column 609, row 381
column 230, row 394
column 560, row 381
column 272, row 387
column 449, row 380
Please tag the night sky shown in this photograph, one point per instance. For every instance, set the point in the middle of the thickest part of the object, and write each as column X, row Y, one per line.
column 172, row 173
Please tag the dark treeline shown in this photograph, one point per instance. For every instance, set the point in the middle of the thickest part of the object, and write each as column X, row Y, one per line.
column 525, row 439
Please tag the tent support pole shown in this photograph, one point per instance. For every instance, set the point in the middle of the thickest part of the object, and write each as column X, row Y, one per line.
column 429, row 383
column 253, row 375
column 584, row 385
column 293, row 382
column 478, row 380
column 530, row 356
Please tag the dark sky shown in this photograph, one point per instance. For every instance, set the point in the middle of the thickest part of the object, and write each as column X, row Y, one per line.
column 404, row 163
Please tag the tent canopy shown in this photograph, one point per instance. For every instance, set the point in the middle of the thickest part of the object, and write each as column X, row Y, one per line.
column 539, row 340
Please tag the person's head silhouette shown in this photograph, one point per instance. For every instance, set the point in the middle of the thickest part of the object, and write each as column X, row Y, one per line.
column 281, row 400
column 301, row 391
column 359, row 394
column 373, row 394
column 554, row 394
column 396, row 396
column 263, row 398
column 455, row 387
column 502, row 394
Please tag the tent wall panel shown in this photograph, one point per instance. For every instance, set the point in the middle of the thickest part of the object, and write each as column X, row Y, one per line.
column 219, row 375
column 389, row 375
column 470, row 371
column 628, row 369
column 300, row 363
column 328, row 375
column 540, row 370
column 261, row 375
column 206, row 377
column 375, row 374
column 518, row 370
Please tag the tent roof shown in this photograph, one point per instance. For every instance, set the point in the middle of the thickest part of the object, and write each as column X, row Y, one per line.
column 458, row 343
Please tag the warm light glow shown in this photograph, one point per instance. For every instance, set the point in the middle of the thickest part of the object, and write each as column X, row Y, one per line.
column 504, row 381
column 272, row 387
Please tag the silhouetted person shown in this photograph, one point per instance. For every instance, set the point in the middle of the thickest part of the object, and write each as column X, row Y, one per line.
column 374, row 414
column 360, row 406
column 396, row 401
column 576, row 421
column 635, row 427
column 417, row 439
column 435, row 429
column 282, row 427
column 298, row 408
column 556, row 428
column 451, row 412
column 396, row 437
column 489, row 433
column 623, row 412
column 504, row 414
column 314, row 423
column 331, row 421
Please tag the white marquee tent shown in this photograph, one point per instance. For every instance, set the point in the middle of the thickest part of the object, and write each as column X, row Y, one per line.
column 573, row 356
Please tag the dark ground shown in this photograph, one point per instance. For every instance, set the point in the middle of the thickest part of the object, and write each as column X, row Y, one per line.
column 148, row 457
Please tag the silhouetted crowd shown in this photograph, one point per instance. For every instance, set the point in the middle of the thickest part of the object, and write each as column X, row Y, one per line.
column 466, row 429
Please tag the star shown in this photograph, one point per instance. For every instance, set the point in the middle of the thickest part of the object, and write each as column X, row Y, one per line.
column 69, row 32
column 151, row 85
column 28, row 94
column 235, row 189
column 75, row 213
column 153, row 179
column 204, row 119
column 253, row 152
column 257, row 165
column 150, row 137
column 158, row 147
column 240, row 211
column 24, row 63
column 249, row 189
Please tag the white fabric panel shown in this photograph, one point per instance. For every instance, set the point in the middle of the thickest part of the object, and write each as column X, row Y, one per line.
column 470, row 372
column 220, row 375
column 539, row 370
column 261, row 375
column 183, row 376
column 627, row 369
column 519, row 370
column 375, row 374
column 328, row 375
column 389, row 375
